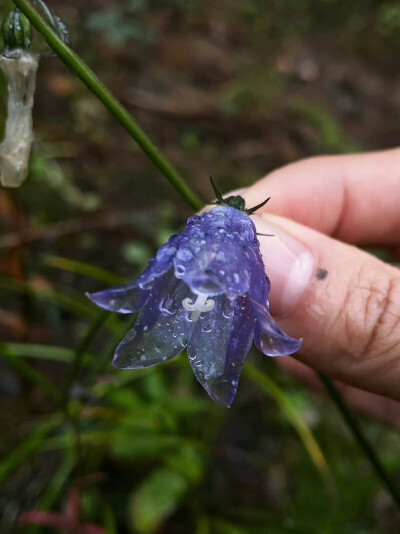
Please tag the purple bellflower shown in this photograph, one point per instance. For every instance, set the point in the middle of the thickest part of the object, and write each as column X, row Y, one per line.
column 206, row 291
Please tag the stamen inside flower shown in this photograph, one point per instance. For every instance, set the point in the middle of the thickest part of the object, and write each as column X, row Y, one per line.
column 201, row 305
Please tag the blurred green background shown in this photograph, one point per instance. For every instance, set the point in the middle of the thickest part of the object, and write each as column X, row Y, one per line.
column 230, row 89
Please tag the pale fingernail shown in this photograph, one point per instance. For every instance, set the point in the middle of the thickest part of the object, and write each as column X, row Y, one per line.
column 288, row 263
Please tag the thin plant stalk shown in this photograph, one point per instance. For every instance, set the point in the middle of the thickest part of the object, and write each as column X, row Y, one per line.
column 25, row 370
column 97, row 87
column 82, row 71
column 80, row 353
column 360, row 438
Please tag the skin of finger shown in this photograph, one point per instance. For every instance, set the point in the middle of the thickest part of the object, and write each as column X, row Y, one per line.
column 380, row 408
column 355, row 198
column 350, row 319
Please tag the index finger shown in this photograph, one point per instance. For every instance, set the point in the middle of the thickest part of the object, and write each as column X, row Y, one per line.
column 355, row 198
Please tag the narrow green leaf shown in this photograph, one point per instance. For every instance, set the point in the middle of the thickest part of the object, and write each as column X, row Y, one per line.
column 28, row 448
column 27, row 371
column 109, row 520
column 85, row 269
column 156, row 499
column 293, row 415
column 67, row 302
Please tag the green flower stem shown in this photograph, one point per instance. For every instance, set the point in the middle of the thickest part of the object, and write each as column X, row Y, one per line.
column 88, row 77
column 360, row 438
column 27, row 371
column 80, row 352
column 78, row 67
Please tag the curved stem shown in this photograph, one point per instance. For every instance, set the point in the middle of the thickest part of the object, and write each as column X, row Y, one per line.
column 360, row 438
column 96, row 86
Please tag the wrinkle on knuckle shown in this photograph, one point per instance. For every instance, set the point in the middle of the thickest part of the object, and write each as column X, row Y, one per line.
column 370, row 315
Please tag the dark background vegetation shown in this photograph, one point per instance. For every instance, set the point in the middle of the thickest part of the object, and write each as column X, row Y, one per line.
column 228, row 88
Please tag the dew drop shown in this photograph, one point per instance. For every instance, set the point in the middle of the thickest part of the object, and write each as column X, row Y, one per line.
column 228, row 310
column 206, row 328
column 180, row 271
column 184, row 254
column 167, row 306
column 165, row 253
column 236, row 278
column 146, row 285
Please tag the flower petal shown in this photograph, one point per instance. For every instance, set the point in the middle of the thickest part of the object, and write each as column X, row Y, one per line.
column 219, row 346
column 130, row 298
column 122, row 299
column 162, row 329
column 214, row 253
column 269, row 338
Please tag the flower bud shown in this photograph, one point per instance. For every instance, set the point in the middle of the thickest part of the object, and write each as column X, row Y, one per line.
column 17, row 32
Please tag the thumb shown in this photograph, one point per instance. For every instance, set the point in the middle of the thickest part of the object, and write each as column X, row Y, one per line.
column 343, row 302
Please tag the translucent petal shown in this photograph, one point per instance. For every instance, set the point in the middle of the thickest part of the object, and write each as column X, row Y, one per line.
column 214, row 253
column 269, row 338
column 219, row 346
column 162, row 330
column 131, row 298
column 122, row 299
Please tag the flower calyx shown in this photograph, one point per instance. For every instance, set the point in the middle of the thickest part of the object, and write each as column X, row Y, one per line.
column 17, row 33
column 235, row 201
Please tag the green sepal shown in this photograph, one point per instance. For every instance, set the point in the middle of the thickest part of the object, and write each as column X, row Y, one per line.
column 17, row 32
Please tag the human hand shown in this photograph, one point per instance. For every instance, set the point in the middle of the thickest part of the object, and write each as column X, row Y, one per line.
column 344, row 302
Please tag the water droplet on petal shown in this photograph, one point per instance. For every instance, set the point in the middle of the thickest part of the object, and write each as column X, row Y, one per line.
column 184, row 254
column 228, row 310
column 167, row 306
column 180, row 271
column 146, row 285
column 206, row 328
column 236, row 278
column 165, row 253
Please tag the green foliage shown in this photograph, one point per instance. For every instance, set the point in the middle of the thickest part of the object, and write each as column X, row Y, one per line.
column 156, row 499
column 388, row 19
column 127, row 22
column 330, row 136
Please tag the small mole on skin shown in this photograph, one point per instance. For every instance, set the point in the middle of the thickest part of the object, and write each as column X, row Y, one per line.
column 321, row 274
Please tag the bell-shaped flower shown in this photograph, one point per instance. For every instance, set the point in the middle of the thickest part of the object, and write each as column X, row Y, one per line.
column 206, row 291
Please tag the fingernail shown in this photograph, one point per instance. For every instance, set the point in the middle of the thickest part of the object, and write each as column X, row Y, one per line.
column 289, row 265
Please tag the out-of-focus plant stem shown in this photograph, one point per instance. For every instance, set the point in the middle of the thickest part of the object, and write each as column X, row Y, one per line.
column 96, row 86
column 82, row 71
column 360, row 438
column 27, row 371
column 295, row 418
